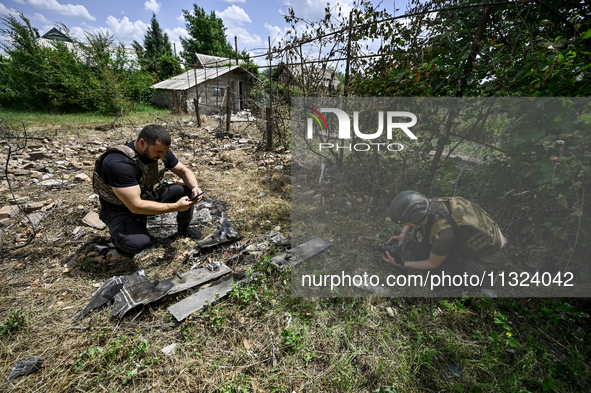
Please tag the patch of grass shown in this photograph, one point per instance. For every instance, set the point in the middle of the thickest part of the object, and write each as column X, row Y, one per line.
column 15, row 321
column 141, row 114
column 124, row 358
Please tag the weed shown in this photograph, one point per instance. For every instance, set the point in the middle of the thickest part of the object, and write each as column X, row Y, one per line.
column 15, row 321
column 293, row 340
column 216, row 317
column 505, row 338
column 238, row 385
column 244, row 294
column 386, row 389
column 124, row 357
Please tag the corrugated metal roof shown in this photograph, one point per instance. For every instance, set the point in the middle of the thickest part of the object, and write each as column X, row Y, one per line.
column 208, row 60
column 186, row 80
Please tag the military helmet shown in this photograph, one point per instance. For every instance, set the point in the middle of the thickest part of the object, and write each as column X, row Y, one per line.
column 409, row 206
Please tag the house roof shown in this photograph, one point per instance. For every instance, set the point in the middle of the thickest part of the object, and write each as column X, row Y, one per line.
column 186, row 80
column 212, row 61
column 55, row 34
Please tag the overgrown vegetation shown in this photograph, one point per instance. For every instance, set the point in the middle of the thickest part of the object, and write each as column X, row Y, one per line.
column 68, row 76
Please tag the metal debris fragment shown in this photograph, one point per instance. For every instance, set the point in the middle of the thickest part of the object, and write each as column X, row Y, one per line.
column 300, row 253
column 24, row 366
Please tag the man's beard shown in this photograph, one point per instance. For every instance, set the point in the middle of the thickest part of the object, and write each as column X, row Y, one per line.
column 146, row 154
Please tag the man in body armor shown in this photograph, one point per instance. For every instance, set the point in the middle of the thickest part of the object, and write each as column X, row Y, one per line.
column 129, row 181
column 455, row 235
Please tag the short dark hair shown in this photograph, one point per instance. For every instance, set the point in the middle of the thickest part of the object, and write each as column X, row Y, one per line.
column 152, row 133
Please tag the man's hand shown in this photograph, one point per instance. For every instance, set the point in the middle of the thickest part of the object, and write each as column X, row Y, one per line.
column 196, row 191
column 399, row 238
column 184, row 204
column 386, row 257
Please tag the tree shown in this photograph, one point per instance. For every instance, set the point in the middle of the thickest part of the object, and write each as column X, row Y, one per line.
column 157, row 48
column 208, row 35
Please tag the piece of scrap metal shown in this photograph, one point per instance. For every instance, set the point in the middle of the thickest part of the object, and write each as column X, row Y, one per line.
column 194, row 277
column 137, row 289
column 224, row 233
column 207, row 296
column 300, row 253
column 204, row 297
column 25, row 366
column 102, row 295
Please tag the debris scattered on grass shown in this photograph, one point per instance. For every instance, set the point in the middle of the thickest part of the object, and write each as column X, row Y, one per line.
column 25, row 366
column 224, row 233
column 455, row 369
column 169, row 350
column 300, row 253
column 92, row 220
column 135, row 289
column 207, row 296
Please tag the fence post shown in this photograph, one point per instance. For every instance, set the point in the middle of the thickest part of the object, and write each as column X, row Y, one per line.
column 346, row 87
column 196, row 102
column 269, row 113
column 228, row 106
column 269, row 110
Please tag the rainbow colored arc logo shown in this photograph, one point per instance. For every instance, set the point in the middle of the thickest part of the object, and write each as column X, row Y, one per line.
column 316, row 115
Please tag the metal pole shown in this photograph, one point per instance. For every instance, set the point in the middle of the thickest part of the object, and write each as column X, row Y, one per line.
column 236, row 48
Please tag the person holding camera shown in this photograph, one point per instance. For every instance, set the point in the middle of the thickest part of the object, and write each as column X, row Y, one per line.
column 454, row 235
column 129, row 180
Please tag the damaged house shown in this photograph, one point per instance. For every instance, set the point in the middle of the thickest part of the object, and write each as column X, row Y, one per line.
column 311, row 77
column 209, row 86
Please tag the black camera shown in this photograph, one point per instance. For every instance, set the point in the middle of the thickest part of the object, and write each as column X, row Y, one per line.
column 393, row 249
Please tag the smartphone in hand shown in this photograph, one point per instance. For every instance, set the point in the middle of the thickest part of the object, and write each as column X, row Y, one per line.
column 193, row 198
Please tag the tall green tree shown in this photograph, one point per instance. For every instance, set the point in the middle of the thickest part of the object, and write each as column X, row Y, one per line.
column 157, row 48
column 207, row 35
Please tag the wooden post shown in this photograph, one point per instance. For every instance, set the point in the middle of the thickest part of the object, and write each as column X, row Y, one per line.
column 196, row 102
column 228, row 106
column 175, row 102
column 302, row 68
column 269, row 110
column 346, row 87
column 236, row 48
column 269, row 113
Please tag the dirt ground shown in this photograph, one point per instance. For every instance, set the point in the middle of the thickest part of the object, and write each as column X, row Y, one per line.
column 48, row 275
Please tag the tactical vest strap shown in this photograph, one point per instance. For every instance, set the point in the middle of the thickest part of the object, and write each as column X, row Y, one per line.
column 456, row 228
column 433, row 211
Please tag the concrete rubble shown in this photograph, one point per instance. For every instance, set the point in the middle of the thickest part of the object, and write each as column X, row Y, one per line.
column 92, row 220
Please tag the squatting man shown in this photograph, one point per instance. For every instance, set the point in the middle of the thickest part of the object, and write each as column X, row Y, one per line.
column 455, row 236
column 129, row 180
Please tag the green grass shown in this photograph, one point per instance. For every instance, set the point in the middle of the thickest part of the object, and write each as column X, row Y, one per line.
column 141, row 114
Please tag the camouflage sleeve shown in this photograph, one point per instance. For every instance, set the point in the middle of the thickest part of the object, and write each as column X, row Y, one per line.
column 442, row 242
